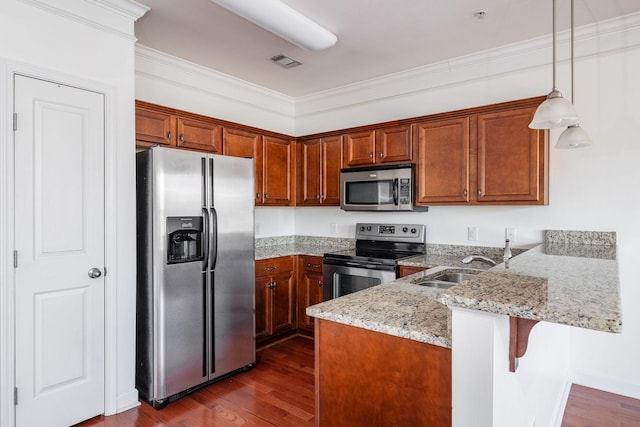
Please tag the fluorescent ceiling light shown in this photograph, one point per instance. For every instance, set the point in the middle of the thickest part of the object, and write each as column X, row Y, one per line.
column 283, row 21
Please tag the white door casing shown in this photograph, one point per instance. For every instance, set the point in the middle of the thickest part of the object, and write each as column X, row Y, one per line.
column 59, row 236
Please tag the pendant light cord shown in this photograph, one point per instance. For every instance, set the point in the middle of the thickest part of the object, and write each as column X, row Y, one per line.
column 572, row 99
column 554, row 43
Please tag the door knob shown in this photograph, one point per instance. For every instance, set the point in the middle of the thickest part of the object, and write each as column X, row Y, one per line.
column 94, row 273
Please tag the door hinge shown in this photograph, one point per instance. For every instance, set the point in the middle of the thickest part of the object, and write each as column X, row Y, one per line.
column 15, row 259
column 15, row 396
column 15, row 121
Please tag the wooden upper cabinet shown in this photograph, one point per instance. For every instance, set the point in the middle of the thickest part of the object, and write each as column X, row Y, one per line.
column 442, row 172
column 380, row 146
column 158, row 126
column 359, row 148
column 155, row 128
column 393, row 144
column 242, row 143
column 330, row 165
column 318, row 171
column 200, row 135
column 512, row 159
column 278, row 171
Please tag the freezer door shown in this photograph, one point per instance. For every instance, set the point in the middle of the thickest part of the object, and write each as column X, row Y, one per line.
column 233, row 283
column 180, row 304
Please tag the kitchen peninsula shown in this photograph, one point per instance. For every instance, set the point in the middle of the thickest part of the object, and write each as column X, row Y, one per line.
column 570, row 280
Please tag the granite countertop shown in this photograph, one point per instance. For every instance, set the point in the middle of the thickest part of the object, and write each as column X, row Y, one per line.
column 291, row 249
column 568, row 282
column 571, row 285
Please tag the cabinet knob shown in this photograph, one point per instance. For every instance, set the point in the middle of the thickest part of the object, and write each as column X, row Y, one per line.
column 320, row 283
column 181, row 137
column 371, row 155
column 479, row 192
column 257, row 195
column 381, row 154
column 272, row 285
column 270, row 268
column 168, row 135
column 266, row 196
column 313, row 265
column 318, row 196
column 464, row 193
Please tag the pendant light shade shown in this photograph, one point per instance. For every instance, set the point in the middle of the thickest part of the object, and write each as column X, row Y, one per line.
column 555, row 111
column 573, row 137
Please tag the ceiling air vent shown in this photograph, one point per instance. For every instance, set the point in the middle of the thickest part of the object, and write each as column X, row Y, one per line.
column 285, row 61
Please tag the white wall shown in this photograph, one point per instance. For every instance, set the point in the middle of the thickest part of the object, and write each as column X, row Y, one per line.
column 590, row 189
column 91, row 46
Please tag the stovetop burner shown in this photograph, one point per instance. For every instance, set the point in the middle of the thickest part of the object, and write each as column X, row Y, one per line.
column 383, row 244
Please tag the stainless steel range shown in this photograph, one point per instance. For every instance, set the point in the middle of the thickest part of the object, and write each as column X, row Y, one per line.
column 375, row 258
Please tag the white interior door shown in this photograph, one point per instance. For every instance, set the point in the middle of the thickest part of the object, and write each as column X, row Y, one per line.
column 59, row 232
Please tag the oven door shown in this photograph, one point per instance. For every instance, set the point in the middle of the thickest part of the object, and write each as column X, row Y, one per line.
column 341, row 280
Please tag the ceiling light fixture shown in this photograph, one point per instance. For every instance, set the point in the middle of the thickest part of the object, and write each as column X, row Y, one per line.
column 555, row 111
column 573, row 136
column 283, row 21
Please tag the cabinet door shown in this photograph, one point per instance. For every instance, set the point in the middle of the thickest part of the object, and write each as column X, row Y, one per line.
column 283, row 303
column 359, row 148
column 309, row 286
column 278, row 171
column 442, row 173
column 393, row 145
column 511, row 158
column 154, row 127
column 241, row 143
column 308, row 171
column 331, row 156
column 199, row 135
column 263, row 307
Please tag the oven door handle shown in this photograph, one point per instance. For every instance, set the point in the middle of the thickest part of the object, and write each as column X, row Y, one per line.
column 395, row 192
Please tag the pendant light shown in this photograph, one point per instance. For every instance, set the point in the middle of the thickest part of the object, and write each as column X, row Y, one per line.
column 573, row 136
column 555, row 111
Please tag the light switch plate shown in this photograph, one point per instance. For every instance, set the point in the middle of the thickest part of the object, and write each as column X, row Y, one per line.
column 472, row 234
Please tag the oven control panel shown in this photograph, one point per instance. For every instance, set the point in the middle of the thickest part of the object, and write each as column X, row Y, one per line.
column 391, row 232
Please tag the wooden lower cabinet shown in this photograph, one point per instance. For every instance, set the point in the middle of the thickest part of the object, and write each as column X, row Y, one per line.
column 310, row 286
column 407, row 270
column 275, row 297
column 366, row 378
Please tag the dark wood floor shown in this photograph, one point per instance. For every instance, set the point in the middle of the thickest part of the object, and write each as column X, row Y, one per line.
column 588, row 407
column 279, row 391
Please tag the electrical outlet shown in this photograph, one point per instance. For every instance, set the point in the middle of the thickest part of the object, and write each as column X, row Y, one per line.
column 510, row 233
column 333, row 228
column 472, row 234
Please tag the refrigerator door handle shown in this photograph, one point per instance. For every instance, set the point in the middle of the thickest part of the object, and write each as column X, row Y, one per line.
column 207, row 239
column 213, row 235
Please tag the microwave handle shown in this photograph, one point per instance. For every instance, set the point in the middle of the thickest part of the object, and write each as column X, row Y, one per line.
column 395, row 192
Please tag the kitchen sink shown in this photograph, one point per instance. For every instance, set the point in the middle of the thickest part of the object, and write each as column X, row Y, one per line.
column 445, row 280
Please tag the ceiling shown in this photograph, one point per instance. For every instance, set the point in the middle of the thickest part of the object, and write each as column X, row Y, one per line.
column 375, row 37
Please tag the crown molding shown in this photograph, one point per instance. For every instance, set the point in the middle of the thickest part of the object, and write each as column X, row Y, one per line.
column 594, row 39
column 157, row 65
column 119, row 21
column 128, row 8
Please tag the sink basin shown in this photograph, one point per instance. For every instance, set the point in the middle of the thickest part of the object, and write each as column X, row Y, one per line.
column 454, row 277
column 436, row 284
column 445, row 280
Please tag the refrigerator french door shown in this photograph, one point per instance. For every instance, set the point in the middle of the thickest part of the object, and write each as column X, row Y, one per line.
column 196, row 280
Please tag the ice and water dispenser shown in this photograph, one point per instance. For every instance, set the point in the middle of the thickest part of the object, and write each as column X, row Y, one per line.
column 184, row 239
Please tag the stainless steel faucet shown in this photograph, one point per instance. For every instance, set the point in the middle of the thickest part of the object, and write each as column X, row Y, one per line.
column 482, row 258
column 507, row 254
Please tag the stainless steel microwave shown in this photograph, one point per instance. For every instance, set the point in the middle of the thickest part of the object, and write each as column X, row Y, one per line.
column 378, row 188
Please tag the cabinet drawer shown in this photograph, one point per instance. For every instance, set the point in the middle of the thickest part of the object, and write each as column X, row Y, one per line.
column 312, row 264
column 270, row 266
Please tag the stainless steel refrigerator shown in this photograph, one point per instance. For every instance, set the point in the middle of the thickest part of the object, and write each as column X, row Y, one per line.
column 196, row 281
